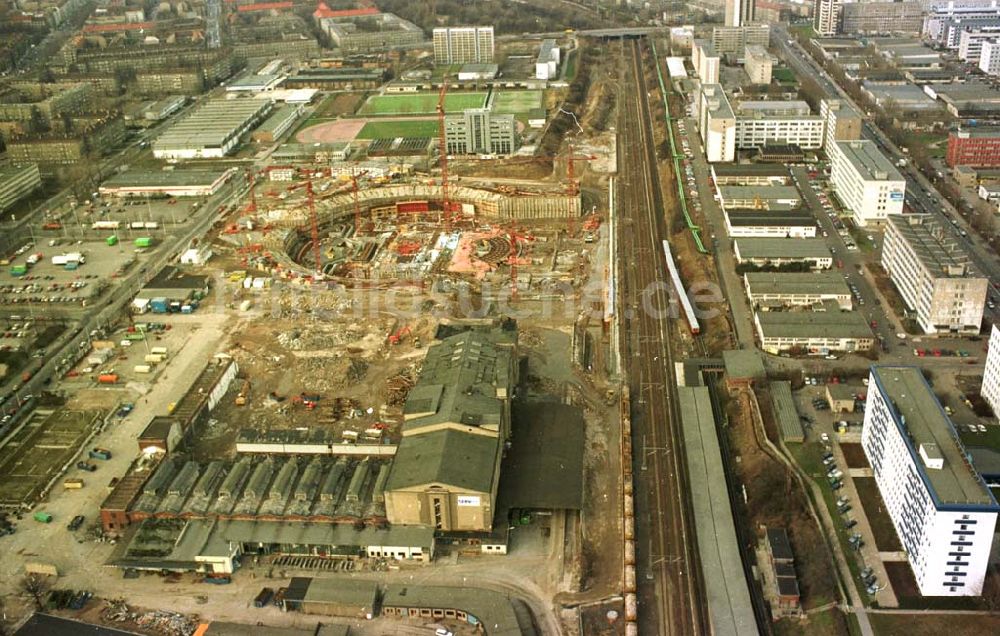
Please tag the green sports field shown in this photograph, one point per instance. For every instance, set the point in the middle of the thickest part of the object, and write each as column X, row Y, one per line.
column 517, row 102
column 390, row 129
column 420, row 103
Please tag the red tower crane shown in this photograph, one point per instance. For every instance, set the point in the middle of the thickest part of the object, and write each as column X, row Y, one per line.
column 252, row 206
column 443, row 151
column 313, row 220
column 357, row 203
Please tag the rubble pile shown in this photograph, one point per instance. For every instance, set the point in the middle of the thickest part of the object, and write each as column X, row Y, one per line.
column 156, row 621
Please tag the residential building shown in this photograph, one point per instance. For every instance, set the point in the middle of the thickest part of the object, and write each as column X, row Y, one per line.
column 933, row 273
column 96, row 137
column 797, row 223
column 989, row 58
column 367, row 31
column 480, row 131
column 547, row 62
column 778, row 252
column 865, row 181
column 716, row 124
column 790, row 289
column 991, row 374
column 970, row 43
column 705, row 62
column 212, row 130
column 842, row 121
column 826, row 17
column 758, row 64
column 733, row 40
column 941, row 509
column 945, row 21
column 463, row 45
column 881, row 17
column 739, row 12
column 768, row 126
column 17, row 182
column 814, row 332
column 456, row 422
column 977, row 146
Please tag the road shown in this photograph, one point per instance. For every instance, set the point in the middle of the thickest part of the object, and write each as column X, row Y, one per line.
column 671, row 599
column 920, row 193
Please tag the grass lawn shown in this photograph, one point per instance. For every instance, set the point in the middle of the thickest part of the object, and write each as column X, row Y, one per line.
column 831, row 622
column 516, row 102
column 420, row 103
column 391, row 129
column 784, row 75
column 935, row 624
column 886, row 539
column 989, row 439
column 571, row 65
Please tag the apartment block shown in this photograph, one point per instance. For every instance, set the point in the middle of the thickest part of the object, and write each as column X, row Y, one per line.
column 367, row 31
column 733, row 40
column 881, row 17
column 758, row 64
column 842, row 121
column 716, row 124
column 970, row 43
column 865, row 181
column 941, row 509
column 977, row 146
column 933, row 274
column 17, row 182
column 759, row 130
column 480, row 131
column 463, row 45
column 989, row 58
column 705, row 62
column 991, row 375
column 826, row 17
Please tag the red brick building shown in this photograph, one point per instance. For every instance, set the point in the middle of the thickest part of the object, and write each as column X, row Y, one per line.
column 974, row 147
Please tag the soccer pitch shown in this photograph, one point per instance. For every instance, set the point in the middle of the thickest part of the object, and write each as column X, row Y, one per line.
column 420, row 103
column 391, row 129
column 517, row 102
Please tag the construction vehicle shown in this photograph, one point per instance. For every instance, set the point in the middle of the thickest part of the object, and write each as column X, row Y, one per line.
column 396, row 338
column 308, row 400
column 244, row 394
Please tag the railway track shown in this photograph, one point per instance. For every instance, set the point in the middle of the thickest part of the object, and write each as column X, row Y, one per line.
column 670, row 593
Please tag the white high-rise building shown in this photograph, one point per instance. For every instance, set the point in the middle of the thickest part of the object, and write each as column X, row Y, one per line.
column 989, row 58
column 826, row 17
column 705, row 61
column 940, row 507
column 933, row 274
column 991, row 375
column 865, row 181
column 740, row 12
column 843, row 122
column 463, row 45
column 716, row 124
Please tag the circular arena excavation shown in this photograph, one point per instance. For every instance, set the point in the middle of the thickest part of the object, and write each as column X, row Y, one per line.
column 403, row 232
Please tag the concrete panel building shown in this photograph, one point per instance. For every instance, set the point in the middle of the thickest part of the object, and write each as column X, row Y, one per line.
column 989, row 58
column 17, row 182
column 740, row 12
column 974, row 146
column 881, row 17
column 733, row 40
column 456, row 422
column 941, row 509
column 463, row 45
column 866, row 182
column 970, row 43
column 755, row 129
column 790, row 289
column 933, row 274
column 842, row 122
column 547, row 62
column 758, row 64
column 212, row 130
column 368, row 31
column 716, row 124
column 480, row 131
column 705, row 61
column 826, row 17
column 991, row 375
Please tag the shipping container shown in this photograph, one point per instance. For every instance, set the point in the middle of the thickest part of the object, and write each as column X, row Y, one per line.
column 153, row 358
column 105, row 225
column 72, row 483
column 43, row 517
column 161, row 351
column 18, row 270
column 52, row 225
column 137, row 336
column 142, row 368
column 150, row 225
column 112, row 240
column 159, row 305
column 107, row 378
column 143, row 242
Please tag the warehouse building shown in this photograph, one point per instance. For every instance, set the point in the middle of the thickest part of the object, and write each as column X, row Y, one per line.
column 463, row 45
column 212, row 130
column 716, row 124
column 547, row 62
column 865, row 181
column 813, row 332
column 491, row 612
column 750, row 174
column 330, row 79
column 477, row 72
column 770, row 197
column 331, row 597
column 796, row 223
column 777, row 252
column 252, row 83
column 166, row 183
column 446, row 471
column 18, row 182
column 944, row 514
column 934, row 275
column 479, row 131
column 280, row 122
column 796, row 289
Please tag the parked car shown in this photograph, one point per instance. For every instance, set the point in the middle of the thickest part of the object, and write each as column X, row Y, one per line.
column 75, row 523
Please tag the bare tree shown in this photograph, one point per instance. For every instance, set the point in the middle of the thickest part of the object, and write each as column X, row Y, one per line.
column 34, row 587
